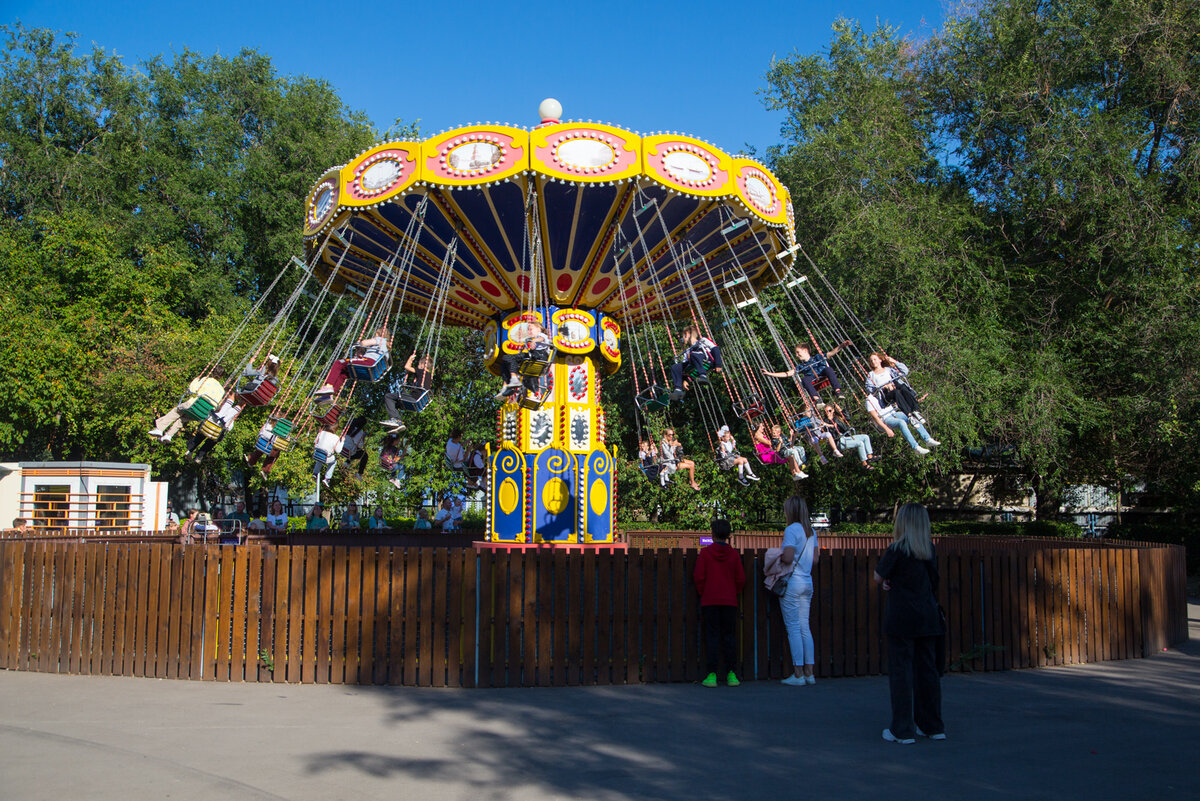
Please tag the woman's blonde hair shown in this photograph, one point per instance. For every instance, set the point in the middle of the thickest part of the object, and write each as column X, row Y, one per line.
column 911, row 532
column 795, row 510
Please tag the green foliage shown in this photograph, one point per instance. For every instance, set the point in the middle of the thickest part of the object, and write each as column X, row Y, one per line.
column 1013, row 201
column 965, row 663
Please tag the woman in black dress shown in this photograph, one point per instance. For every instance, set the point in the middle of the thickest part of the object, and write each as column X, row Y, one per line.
column 913, row 623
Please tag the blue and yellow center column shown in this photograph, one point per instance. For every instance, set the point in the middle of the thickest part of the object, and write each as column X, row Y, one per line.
column 552, row 477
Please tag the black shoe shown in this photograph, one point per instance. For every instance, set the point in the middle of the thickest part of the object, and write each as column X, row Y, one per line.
column 743, row 482
column 677, row 394
column 703, row 380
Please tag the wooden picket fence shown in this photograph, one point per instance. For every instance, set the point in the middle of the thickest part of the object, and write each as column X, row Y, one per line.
column 457, row 617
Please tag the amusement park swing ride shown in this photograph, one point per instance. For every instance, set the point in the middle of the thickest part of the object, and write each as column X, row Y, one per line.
column 573, row 247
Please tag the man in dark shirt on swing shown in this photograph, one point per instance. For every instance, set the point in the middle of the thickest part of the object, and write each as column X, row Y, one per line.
column 809, row 367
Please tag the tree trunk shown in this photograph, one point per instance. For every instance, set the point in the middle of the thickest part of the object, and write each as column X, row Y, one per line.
column 1048, row 500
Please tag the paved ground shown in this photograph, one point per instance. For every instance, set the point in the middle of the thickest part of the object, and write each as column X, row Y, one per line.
column 1113, row 730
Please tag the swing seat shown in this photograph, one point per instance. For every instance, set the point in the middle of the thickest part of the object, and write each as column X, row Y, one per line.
column 820, row 382
column 750, row 409
column 654, row 399
column 533, row 400
column 692, row 371
column 413, row 397
column 321, row 456
column 330, row 417
column 651, row 472
column 805, row 424
column 265, row 445
column 283, row 444
column 281, row 427
column 199, row 409
column 257, row 392
column 369, row 368
column 534, row 364
column 212, row 429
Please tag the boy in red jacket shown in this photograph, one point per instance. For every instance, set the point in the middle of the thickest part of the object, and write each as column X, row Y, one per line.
column 719, row 580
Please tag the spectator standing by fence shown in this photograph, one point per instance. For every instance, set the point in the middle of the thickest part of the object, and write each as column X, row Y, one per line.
column 912, row 621
column 800, row 549
column 720, row 579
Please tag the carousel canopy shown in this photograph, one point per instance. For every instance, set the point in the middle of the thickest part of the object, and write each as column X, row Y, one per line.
column 574, row 214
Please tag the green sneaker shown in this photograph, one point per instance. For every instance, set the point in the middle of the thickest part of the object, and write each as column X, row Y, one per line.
column 732, row 679
column 710, row 680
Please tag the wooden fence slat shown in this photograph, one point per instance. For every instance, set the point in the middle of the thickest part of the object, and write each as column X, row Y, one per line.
column 382, row 609
column 1124, row 629
column 1106, row 595
column 399, row 600
column 677, row 588
column 338, row 571
column 1078, row 605
column 354, row 599
column 12, row 581
column 662, row 584
column 182, row 650
column 222, row 640
column 1011, row 600
column 147, row 600
column 254, row 603
column 544, row 622
column 238, row 613
column 997, row 562
column 281, row 576
column 513, row 590
column 563, row 589
column 604, row 616
column 163, row 613
column 324, row 602
column 295, row 616
column 529, row 618
column 1138, row 601
column 311, row 644
column 836, row 659
column 212, row 639
column 369, row 578
column 429, row 659
column 41, row 655
column 691, row 641
column 573, row 652
column 51, row 652
column 461, row 618
column 753, row 636
column 1087, row 582
column 410, row 666
column 438, row 563
column 118, row 608
column 862, row 579
column 77, row 557
column 488, row 620
column 873, row 601
column 621, row 664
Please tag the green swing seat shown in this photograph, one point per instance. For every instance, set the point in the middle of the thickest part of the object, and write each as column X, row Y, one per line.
column 199, row 409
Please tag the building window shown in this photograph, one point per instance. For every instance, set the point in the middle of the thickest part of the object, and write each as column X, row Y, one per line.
column 51, row 505
column 112, row 507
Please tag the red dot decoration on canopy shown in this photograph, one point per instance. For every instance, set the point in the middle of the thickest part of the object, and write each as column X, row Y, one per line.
column 583, row 214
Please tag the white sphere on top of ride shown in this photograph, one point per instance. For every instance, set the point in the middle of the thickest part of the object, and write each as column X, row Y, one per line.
column 550, row 111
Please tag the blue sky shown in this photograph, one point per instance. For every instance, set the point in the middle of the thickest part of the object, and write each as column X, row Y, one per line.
column 692, row 67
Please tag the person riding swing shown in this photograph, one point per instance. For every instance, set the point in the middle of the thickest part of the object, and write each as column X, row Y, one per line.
column 700, row 355
column 525, row 369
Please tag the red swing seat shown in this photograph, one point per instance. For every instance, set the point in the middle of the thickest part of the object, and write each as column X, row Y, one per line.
column 257, row 392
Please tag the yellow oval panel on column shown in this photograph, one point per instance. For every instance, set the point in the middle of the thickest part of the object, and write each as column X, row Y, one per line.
column 555, row 496
column 598, row 497
column 508, row 495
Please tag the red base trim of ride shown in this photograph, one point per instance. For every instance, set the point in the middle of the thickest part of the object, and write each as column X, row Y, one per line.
column 550, row 546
